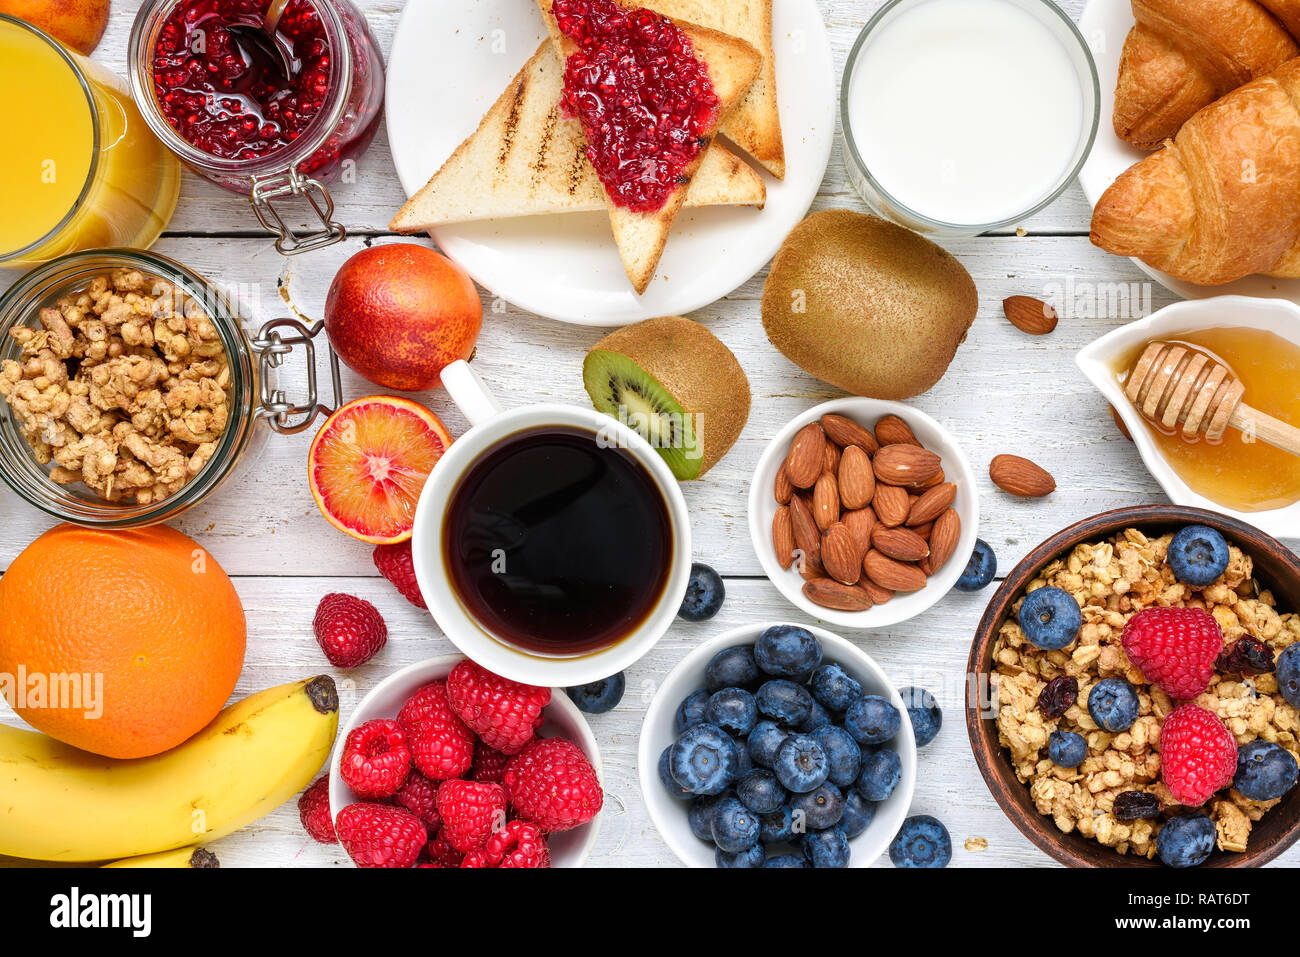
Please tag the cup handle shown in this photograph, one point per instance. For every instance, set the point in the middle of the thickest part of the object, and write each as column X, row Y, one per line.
column 469, row 393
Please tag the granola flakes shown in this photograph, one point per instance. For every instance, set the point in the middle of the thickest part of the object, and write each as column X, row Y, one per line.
column 124, row 388
column 1113, row 580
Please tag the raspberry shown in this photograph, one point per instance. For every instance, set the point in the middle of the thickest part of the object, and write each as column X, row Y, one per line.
column 471, row 812
column 419, row 795
column 518, row 844
column 1198, row 755
column 1175, row 648
column 376, row 759
column 552, row 784
column 348, row 629
column 314, row 810
column 489, row 764
column 376, row 835
column 441, row 853
column 394, row 563
column 502, row 712
column 441, row 746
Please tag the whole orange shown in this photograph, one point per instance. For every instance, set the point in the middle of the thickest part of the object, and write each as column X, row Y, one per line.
column 144, row 624
column 399, row 314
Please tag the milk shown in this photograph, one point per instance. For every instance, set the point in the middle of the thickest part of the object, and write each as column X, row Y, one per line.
column 966, row 111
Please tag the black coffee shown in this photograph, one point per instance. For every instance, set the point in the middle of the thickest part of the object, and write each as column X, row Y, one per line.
column 556, row 544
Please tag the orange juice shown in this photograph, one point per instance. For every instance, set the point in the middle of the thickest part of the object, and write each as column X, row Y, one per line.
column 79, row 168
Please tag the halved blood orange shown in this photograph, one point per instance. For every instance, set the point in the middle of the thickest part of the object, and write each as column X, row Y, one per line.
column 369, row 462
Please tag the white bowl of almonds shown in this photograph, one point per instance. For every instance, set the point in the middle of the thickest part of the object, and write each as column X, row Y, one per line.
column 863, row 512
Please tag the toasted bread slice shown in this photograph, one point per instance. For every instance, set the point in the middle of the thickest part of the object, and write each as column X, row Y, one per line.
column 524, row 160
column 755, row 124
column 732, row 64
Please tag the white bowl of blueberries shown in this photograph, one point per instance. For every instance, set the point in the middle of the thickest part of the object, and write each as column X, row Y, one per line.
column 787, row 746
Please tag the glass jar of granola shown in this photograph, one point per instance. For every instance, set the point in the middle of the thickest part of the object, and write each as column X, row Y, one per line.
column 130, row 388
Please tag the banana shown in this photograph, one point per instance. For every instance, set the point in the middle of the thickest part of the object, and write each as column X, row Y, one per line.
column 63, row 804
column 193, row 857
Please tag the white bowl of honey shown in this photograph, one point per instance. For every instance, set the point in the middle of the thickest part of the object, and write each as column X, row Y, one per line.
column 1258, row 340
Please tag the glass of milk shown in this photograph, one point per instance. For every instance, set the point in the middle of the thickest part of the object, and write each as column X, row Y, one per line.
column 964, row 116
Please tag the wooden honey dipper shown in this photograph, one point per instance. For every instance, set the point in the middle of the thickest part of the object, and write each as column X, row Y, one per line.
column 1172, row 384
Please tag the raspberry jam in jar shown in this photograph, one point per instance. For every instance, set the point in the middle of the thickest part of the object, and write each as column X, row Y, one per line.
column 230, row 111
column 644, row 100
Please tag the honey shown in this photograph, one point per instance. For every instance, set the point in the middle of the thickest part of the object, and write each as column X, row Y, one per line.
column 1238, row 472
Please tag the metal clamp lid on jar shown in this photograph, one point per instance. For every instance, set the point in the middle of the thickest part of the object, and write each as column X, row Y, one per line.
column 271, row 348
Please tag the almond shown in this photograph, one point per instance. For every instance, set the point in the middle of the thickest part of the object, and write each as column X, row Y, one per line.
column 783, row 536
column 937, row 479
column 943, row 539
column 932, row 504
column 1030, row 315
column 891, row 574
column 856, row 477
column 1018, row 476
column 806, row 536
column 844, row 432
column 878, row 595
column 841, row 556
column 891, row 430
column 782, row 488
column 907, row 465
column 836, row 596
column 809, row 568
column 831, row 459
column 826, row 502
column 804, row 462
column 924, row 530
column 900, row 543
column 860, row 522
column 890, row 504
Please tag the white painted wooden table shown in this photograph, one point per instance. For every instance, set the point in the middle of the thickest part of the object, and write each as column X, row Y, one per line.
column 1005, row 392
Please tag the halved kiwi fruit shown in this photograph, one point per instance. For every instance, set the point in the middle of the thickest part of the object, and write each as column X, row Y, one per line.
column 676, row 384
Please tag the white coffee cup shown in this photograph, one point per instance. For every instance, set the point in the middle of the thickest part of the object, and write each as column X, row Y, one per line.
column 490, row 425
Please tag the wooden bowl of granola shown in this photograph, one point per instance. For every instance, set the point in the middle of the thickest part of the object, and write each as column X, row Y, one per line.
column 1096, row 555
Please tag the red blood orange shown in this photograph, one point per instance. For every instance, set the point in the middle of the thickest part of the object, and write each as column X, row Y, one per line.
column 369, row 462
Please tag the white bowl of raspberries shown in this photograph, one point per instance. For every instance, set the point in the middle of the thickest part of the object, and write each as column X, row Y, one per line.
column 445, row 764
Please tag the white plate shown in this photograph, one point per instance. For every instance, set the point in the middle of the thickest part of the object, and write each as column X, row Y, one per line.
column 1105, row 24
column 449, row 63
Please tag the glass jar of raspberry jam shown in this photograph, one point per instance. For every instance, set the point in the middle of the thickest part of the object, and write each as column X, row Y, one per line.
column 224, row 105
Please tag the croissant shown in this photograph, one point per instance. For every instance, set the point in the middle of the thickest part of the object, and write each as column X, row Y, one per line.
column 1222, row 200
column 1184, row 54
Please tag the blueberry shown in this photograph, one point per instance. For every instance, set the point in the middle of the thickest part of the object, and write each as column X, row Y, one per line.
column 763, row 742
column 923, row 710
column 1050, row 617
column 1288, row 674
column 858, row 812
column 872, row 720
column 922, row 841
column 788, row 651
column 777, row 827
column 787, row 860
column 704, row 594
column 675, row 789
column 1067, row 749
column 704, row 760
column 828, row 848
column 834, row 688
column 700, row 816
column 761, row 792
column 599, row 696
column 750, row 857
column 1197, row 555
column 732, row 710
column 732, row 668
column 822, row 807
column 690, row 711
column 842, row 752
column 881, row 772
column 1265, row 771
column 801, row 763
column 981, row 568
column 744, row 763
column 784, row 702
column 1113, row 704
column 818, row 717
column 1186, row 840
column 735, row 827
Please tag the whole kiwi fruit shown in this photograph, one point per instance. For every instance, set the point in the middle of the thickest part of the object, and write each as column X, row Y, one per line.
column 866, row 305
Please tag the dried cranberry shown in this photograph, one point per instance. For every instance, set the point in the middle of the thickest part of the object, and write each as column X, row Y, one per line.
column 1135, row 805
column 1058, row 696
column 1246, row 656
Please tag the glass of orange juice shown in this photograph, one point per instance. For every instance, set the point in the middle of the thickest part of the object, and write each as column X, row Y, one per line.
column 87, row 171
